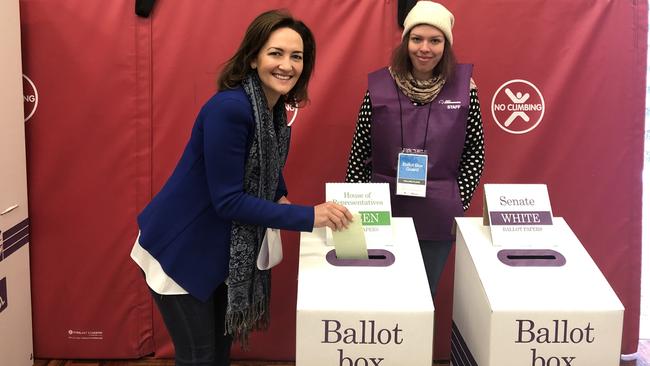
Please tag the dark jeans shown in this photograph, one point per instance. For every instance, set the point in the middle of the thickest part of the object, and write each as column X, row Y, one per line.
column 434, row 255
column 197, row 328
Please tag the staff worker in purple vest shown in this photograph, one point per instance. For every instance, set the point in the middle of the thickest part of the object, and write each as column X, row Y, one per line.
column 422, row 108
column 201, row 234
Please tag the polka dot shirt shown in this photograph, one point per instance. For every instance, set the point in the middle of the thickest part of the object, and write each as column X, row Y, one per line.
column 471, row 163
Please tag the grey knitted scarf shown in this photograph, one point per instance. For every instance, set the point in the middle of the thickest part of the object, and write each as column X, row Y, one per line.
column 249, row 289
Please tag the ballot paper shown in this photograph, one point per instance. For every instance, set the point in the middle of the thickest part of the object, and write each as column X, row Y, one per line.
column 350, row 243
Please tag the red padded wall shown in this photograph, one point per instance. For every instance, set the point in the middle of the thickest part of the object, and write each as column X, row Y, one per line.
column 118, row 95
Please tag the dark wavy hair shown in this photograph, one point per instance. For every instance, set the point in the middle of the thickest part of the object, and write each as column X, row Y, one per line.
column 402, row 65
column 257, row 34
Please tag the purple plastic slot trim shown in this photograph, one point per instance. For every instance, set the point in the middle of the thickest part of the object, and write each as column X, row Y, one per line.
column 531, row 258
column 376, row 258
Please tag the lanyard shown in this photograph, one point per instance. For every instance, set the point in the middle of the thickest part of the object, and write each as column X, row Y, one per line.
column 401, row 124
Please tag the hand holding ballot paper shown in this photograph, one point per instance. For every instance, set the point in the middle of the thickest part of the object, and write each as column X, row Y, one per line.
column 346, row 228
column 331, row 215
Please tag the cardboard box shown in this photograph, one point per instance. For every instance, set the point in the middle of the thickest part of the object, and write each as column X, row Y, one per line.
column 354, row 315
column 539, row 310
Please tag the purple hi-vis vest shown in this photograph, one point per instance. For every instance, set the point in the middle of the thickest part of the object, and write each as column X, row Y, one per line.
column 434, row 214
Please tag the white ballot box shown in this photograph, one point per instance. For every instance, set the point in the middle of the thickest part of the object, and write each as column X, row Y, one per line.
column 364, row 312
column 546, row 306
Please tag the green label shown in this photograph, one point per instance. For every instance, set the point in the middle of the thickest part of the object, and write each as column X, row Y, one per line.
column 369, row 218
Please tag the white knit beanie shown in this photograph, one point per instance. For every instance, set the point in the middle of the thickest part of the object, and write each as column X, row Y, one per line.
column 431, row 13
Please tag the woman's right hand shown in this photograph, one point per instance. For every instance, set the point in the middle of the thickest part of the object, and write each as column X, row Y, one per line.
column 332, row 215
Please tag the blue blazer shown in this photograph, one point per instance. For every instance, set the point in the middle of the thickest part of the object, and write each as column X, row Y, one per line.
column 186, row 226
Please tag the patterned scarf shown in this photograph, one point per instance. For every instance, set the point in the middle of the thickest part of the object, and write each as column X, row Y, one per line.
column 249, row 289
column 419, row 91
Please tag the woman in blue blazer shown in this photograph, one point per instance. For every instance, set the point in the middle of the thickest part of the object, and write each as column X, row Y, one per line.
column 201, row 234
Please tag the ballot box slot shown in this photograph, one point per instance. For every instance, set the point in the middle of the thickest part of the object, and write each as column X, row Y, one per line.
column 539, row 257
column 376, row 258
column 531, row 258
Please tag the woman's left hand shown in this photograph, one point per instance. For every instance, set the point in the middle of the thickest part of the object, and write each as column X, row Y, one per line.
column 284, row 201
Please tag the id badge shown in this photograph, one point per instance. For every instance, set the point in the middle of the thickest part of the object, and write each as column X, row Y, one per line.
column 412, row 173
